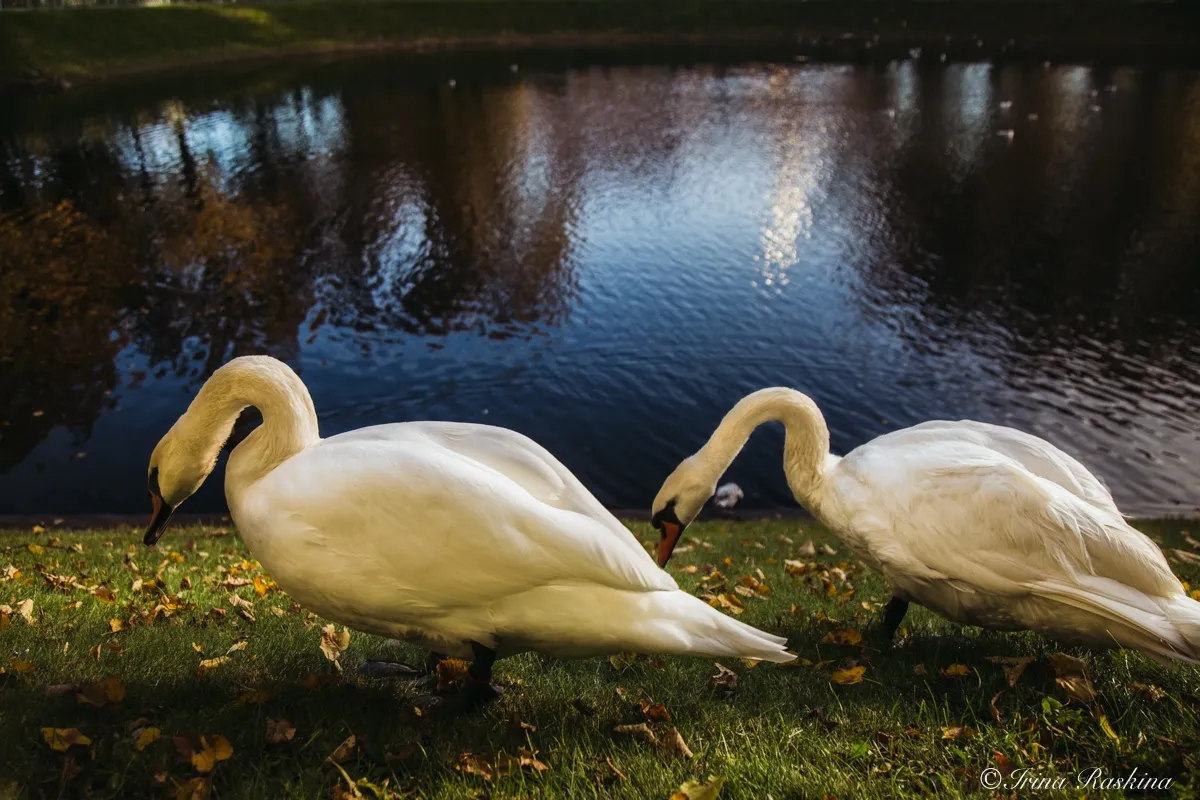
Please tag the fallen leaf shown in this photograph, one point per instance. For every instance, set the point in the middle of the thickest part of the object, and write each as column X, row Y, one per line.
column 20, row 665
column 655, row 712
column 583, row 707
column 640, row 731
column 102, row 693
column 673, row 743
column 104, row 594
column 622, row 661
column 210, row 753
column 253, row 698
column 1148, row 691
column 919, row 669
column 260, row 586
column 700, row 790
column 279, row 731
column 60, row 739
column 807, row 549
column 239, row 603
column 334, row 643
column 1071, row 676
column 146, row 737
column 209, row 664
column 450, row 672
column 726, row 680
column 956, row 731
column 194, row 789
column 344, row 750
column 236, row 647
column 1013, row 667
column 59, row 689
column 36, row 549
column 956, row 671
column 528, row 759
column 1108, row 730
column 851, row 637
column 116, row 625
column 849, row 675
column 25, row 610
column 995, row 708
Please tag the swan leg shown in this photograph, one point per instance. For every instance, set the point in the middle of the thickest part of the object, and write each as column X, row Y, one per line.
column 392, row 669
column 893, row 615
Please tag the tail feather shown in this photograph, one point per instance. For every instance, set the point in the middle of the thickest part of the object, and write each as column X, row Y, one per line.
column 1165, row 628
column 708, row 632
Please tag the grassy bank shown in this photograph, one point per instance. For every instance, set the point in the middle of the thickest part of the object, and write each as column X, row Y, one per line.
column 92, row 43
column 182, row 660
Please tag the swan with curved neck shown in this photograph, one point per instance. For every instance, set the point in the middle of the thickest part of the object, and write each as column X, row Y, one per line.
column 469, row 540
column 984, row 524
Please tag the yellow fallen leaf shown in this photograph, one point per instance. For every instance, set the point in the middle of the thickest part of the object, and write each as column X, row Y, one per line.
column 700, row 790
column 103, row 594
column 146, row 737
column 851, row 637
column 209, row 664
column 195, row 789
column 236, row 647
column 210, row 753
column 1108, row 730
column 25, row 609
column 116, row 625
column 20, row 665
column 956, row 731
column 344, row 750
column 198, row 648
column 36, row 549
column 956, row 671
column 334, row 643
column 260, row 586
column 849, row 675
column 451, row 671
column 61, row 739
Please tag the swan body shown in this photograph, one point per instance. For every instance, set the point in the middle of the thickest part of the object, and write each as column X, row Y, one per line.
column 983, row 524
column 451, row 536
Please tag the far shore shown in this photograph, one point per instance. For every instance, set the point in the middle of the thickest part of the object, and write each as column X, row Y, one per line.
column 56, row 50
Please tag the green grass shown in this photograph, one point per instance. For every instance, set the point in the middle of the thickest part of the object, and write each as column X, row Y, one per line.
column 783, row 733
column 82, row 43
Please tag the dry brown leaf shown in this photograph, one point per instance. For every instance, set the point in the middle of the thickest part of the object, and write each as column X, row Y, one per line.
column 61, row 739
column 700, row 790
column 655, row 712
column 25, row 610
column 102, row 693
column 807, row 549
column 726, row 680
column 1071, row 676
column 279, row 731
column 673, row 743
column 848, row 676
column 344, row 750
column 1148, row 691
column 236, row 647
column 995, row 708
column 116, row 625
column 20, row 665
column 334, row 643
column 640, row 731
column 1013, row 667
column 209, row 664
column 104, row 594
column 239, row 603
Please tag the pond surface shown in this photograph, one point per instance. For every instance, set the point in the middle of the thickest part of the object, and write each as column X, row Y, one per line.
column 606, row 258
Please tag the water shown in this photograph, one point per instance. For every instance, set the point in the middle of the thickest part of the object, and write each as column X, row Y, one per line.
column 606, row 258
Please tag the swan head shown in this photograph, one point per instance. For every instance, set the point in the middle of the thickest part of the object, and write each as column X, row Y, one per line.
column 174, row 475
column 678, row 502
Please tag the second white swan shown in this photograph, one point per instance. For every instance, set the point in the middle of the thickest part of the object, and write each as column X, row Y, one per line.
column 986, row 525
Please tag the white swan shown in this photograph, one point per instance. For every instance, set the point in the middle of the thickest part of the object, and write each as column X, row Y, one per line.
column 470, row 540
column 983, row 524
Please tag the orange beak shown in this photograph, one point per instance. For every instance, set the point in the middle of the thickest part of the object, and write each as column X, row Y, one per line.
column 670, row 537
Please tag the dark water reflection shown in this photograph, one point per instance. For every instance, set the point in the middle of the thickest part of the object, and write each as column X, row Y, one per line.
column 607, row 258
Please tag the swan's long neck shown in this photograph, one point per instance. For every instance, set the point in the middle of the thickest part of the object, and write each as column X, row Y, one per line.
column 289, row 419
column 805, row 449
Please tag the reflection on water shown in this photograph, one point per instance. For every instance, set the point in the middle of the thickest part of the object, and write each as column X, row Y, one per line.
column 607, row 258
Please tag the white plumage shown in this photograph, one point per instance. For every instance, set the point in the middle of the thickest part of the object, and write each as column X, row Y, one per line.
column 441, row 534
column 983, row 524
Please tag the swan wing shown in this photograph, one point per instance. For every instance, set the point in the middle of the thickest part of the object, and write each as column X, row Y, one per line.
column 1035, row 454
column 418, row 527
column 954, row 510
